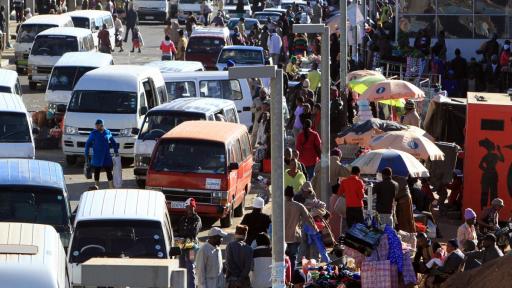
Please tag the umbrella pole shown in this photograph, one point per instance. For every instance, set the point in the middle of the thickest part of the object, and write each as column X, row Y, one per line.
column 369, row 210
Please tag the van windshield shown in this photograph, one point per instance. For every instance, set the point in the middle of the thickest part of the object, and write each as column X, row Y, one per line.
column 242, row 56
column 222, row 89
column 14, row 128
column 156, row 124
column 28, row 32
column 33, row 205
column 5, row 89
column 202, row 44
column 180, row 89
column 190, row 156
column 65, row 78
column 112, row 102
column 117, row 239
column 81, row 22
column 234, row 2
column 54, row 45
column 190, row 2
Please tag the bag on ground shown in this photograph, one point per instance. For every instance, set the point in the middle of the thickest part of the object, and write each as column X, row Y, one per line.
column 117, row 172
column 87, row 170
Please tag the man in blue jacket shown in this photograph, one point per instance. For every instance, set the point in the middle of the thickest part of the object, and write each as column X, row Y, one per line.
column 101, row 140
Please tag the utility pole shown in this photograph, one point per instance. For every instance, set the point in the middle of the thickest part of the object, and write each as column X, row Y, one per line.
column 343, row 43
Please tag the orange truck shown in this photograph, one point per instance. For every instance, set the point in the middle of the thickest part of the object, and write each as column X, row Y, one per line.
column 488, row 152
column 209, row 161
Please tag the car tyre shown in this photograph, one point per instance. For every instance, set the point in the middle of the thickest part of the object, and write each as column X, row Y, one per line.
column 126, row 162
column 141, row 183
column 239, row 211
column 32, row 85
column 71, row 160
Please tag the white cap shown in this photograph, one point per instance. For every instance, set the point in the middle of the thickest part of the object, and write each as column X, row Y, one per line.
column 258, row 203
column 215, row 231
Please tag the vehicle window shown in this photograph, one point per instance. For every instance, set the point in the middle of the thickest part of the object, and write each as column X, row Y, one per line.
column 108, row 20
column 65, row 78
column 14, row 128
column 210, row 45
column 246, row 146
column 150, row 95
column 18, row 88
column 231, row 115
column 5, row 89
column 28, row 32
column 162, row 93
column 142, row 100
column 117, row 239
column 157, row 123
column 211, row 118
column 222, row 89
column 30, row 205
column 69, row 24
column 112, row 102
column 180, row 89
column 190, row 156
column 236, row 151
column 99, row 22
column 241, row 56
column 54, row 45
column 81, row 22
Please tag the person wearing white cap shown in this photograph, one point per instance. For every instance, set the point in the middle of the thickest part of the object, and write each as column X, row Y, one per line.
column 209, row 261
column 488, row 220
column 188, row 228
column 411, row 117
column 256, row 221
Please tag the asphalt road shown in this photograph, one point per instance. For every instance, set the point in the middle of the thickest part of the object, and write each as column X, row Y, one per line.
column 76, row 182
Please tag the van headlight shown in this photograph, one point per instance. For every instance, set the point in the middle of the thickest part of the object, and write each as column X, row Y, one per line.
column 127, row 132
column 162, row 8
column 139, row 161
column 70, row 130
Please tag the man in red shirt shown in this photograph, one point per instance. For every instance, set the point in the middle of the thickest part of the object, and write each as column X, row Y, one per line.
column 352, row 188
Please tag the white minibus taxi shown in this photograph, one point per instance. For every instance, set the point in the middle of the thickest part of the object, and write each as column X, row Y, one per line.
column 28, row 31
column 120, row 95
column 50, row 45
column 9, row 82
column 94, row 20
column 66, row 73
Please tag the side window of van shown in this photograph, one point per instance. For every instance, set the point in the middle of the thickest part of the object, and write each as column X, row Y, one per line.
column 222, row 89
column 162, row 94
column 142, row 100
column 108, row 20
column 150, row 95
column 230, row 115
column 69, row 24
column 236, row 152
column 99, row 23
column 18, row 88
column 246, row 146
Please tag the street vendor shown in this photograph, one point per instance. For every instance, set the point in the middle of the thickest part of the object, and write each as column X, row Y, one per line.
column 411, row 117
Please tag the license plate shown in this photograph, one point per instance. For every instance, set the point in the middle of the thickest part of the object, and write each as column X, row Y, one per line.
column 150, row 17
column 177, row 205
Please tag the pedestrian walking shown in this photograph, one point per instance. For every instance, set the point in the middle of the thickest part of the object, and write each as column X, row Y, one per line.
column 188, row 228
column 18, row 7
column 100, row 140
column 403, row 211
column 238, row 260
column 294, row 177
column 167, row 48
column 386, row 191
column 209, row 261
column 296, row 214
column 132, row 19
column 257, row 222
column 137, row 41
column 352, row 188
column 261, row 274
column 205, row 11
column 104, row 40
column 182, row 46
column 275, row 44
column 309, row 145
column 118, row 32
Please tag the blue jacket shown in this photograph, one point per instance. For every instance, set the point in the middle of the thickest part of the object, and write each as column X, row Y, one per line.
column 100, row 143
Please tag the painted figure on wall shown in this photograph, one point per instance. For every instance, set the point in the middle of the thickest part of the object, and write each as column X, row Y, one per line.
column 489, row 182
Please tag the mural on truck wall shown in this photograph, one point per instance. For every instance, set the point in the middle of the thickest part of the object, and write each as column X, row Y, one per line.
column 488, row 164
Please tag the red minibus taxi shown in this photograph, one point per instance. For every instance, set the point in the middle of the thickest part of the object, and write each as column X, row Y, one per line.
column 209, row 161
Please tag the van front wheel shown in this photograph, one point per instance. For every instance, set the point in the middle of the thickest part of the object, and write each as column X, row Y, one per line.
column 126, row 162
column 141, row 183
column 70, row 160
column 227, row 221
column 32, row 85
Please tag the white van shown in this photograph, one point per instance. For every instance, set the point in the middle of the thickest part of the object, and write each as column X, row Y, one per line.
column 120, row 95
column 187, row 7
column 212, row 84
column 31, row 255
column 49, row 46
column 152, row 10
column 120, row 223
column 177, row 66
column 165, row 117
column 66, row 73
column 94, row 20
column 9, row 82
column 16, row 134
column 28, row 31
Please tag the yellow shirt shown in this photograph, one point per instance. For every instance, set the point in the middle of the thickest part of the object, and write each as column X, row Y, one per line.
column 296, row 182
column 180, row 50
column 314, row 78
column 292, row 68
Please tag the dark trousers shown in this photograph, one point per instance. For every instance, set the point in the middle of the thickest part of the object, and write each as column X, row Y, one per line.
column 354, row 215
column 97, row 171
column 292, row 250
column 128, row 28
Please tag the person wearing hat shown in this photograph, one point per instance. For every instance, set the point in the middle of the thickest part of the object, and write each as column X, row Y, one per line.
column 257, row 222
column 209, row 261
column 238, row 260
column 467, row 230
column 489, row 252
column 100, row 140
column 411, row 117
column 488, row 220
column 188, row 228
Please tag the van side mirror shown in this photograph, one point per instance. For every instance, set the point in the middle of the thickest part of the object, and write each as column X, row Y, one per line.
column 174, row 251
column 233, row 166
column 143, row 110
column 35, row 131
column 97, row 28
